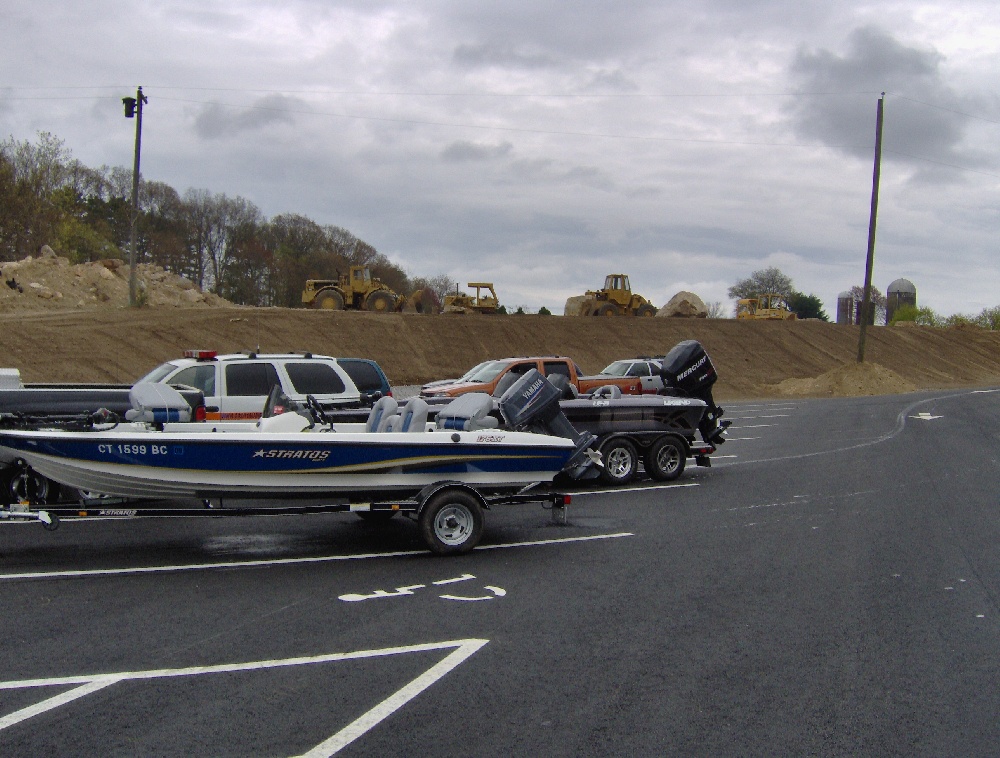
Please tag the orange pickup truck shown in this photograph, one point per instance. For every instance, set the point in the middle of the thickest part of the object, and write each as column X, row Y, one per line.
column 489, row 374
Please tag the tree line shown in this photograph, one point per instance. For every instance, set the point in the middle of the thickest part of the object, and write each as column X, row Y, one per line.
column 223, row 244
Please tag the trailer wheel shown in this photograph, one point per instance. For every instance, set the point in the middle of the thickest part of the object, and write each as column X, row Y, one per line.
column 24, row 483
column 620, row 461
column 666, row 458
column 451, row 522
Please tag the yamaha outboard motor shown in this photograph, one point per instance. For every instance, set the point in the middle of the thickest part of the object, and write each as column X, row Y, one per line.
column 688, row 371
column 531, row 404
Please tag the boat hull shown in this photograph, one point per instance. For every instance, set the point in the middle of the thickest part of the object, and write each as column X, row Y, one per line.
column 165, row 464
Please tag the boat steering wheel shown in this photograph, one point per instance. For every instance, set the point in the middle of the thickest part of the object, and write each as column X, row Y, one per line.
column 316, row 410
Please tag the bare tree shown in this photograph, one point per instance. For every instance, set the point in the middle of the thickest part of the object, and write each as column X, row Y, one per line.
column 764, row 281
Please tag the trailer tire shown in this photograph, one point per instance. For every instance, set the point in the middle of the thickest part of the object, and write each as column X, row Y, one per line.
column 21, row 483
column 666, row 458
column 620, row 461
column 451, row 522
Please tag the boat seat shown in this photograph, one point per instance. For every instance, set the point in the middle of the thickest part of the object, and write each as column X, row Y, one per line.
column 609, row 391
column 412, row 417
column 157, row 403
column 379, row 415
column 468, row 413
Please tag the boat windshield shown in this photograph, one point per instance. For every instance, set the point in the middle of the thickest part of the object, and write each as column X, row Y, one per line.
column 490, row 371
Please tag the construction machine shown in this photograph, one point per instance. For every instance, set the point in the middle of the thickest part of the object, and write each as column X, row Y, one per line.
column 770, row 306
column 356, row 290
column 614, row 299
column 460, row 302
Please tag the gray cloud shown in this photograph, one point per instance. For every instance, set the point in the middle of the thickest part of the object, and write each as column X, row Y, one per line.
column 217, row 120
column 463, row 151
column 503, row 56
column 840, row 94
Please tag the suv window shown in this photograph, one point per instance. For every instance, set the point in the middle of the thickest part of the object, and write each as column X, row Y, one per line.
column 200, row 377
column 363, row 374
column 314, row 378
column 251, row 379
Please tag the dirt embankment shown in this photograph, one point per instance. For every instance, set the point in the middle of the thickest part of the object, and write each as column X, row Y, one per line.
column 754, row 359
column 66, row 323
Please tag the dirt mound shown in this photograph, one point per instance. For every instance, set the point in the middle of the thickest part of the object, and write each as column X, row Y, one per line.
column 75, row 326
column 849, row 380
column 51, row 282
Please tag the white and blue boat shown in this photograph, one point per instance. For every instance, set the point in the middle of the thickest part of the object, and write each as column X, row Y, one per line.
column 299, row 451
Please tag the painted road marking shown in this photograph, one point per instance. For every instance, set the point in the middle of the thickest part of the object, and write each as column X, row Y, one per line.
column 285, row 561
column 353, row 597
column 924, row 416
column 88, row 684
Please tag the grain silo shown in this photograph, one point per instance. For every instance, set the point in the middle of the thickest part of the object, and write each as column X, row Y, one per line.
column 900, row 292
column 845, row 307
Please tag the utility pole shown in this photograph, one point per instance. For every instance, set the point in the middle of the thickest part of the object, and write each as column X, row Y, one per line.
column 132, row 105
column 866, row 301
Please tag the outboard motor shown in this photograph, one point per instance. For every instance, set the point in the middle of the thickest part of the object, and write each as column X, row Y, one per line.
column 531, row 404
column 688, row 371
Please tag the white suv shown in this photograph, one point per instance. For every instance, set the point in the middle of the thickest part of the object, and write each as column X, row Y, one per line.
column 237, row 385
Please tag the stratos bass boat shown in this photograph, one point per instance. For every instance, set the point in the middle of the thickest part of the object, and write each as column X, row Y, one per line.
column 301, row 452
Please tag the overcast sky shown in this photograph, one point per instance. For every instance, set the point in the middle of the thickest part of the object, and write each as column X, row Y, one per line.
column 542, row 145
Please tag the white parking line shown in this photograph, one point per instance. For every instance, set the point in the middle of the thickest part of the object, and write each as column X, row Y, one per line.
column 753, row 426
column 286, row 561
column 87, row 684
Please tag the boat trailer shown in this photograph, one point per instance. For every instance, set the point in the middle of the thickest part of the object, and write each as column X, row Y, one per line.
column 450, row 515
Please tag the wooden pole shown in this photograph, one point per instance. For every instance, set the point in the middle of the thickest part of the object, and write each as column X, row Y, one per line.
column 866, row 301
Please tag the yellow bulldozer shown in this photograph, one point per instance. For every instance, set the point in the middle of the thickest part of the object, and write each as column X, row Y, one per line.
column 769, row 306
column 614, row 299
column 460, row 302
column 358, row 290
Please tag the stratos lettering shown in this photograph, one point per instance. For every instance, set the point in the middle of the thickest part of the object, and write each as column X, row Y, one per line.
column 309, row 455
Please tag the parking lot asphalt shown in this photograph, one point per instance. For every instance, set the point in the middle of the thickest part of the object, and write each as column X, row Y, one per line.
column 829, row 586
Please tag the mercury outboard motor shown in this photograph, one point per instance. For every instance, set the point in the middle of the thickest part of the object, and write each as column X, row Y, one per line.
column 531, row 404
column 687, row 371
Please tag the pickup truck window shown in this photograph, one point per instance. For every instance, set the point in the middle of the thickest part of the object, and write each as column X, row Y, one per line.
column 200, row 377
column 555, row 367
column 314, row 378
column 250, row 379
column 489, row 372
